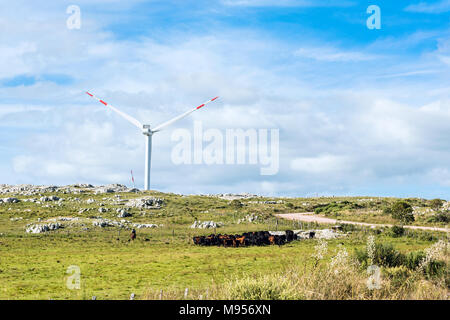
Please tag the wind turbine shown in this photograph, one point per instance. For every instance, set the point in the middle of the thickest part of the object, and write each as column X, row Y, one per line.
column 148, row 132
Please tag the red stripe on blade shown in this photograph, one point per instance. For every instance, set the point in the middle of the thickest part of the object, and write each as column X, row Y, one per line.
column 200, row 106
column 89, row 94
column 214, row 98
column 103, row 102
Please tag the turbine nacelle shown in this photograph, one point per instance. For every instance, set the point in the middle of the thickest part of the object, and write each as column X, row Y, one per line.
column 146, row 130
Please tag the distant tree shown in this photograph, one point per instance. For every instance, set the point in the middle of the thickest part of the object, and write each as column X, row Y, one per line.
column 236, row 204
column 436, row 204
column 402, row 211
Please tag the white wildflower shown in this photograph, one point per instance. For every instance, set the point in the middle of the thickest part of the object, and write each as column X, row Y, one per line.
column 433, row 253
column 340, row 261
column 320, row 249
column 371, row 248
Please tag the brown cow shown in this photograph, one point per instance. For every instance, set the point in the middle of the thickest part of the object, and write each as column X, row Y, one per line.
column 240, row 241
column 272, row 239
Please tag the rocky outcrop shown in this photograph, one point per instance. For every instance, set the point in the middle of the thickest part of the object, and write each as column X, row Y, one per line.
column 50, row 198
column 145, row 203
column 29, row 190
column 248, row 218
column 40, row 228
column 144, row 225
column 319, row 234
column 236, row 196
column 109, row 223
column 122, row 213
column 9, row 200
column 206, row 224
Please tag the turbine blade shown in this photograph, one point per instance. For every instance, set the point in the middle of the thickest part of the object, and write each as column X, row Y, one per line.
column 124, row 115
column 181, row 116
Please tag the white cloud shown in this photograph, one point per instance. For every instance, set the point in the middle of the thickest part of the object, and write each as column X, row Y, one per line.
column 287, row 3
column 330, row 54
column 436, row 7
column 321, row 164
column 440, row 176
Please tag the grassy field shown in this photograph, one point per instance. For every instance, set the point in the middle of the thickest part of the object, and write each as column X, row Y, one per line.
column 33, row 266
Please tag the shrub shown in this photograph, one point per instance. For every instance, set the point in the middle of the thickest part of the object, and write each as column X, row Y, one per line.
column 412, row 259
column 440, row 217
column 335, row 207
column 236, row 204
column 397, row 231
column 422, row 235
column 385, row 255
column 436, row 204
column 397, row 275
column 425, row 236
column 402, row 211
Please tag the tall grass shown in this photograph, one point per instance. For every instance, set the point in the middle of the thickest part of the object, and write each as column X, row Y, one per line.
column 340, row 277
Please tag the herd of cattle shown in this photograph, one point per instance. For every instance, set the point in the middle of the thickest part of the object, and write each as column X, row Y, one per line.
column 258, row 238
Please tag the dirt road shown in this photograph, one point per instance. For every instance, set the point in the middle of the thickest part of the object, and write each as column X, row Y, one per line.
column 311, row 217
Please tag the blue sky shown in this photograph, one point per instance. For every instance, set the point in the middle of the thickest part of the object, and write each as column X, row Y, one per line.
column 360, row 112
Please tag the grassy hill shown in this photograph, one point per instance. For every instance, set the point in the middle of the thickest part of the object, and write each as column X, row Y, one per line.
column 34, row 266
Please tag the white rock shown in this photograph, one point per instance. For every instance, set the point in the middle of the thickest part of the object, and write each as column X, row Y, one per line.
column 146, row 203
column 10, row 200
column 50, row 198
column 143, row 225
column 123, row 213
column 206, row 224
column 40, row 228
column 320, row 234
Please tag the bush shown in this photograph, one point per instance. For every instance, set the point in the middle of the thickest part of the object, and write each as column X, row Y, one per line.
column 397, row 275
column 412, row 259
column 440, row 217
column 436, row 204
column 388, row 257
column 385, row 255
column 289, row 205
column 335, row 207
column 433, row 268
column 402, row 211
column 397, row 231
column 236, row 204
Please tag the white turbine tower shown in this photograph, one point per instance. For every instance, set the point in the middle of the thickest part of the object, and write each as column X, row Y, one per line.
column 149, row 132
